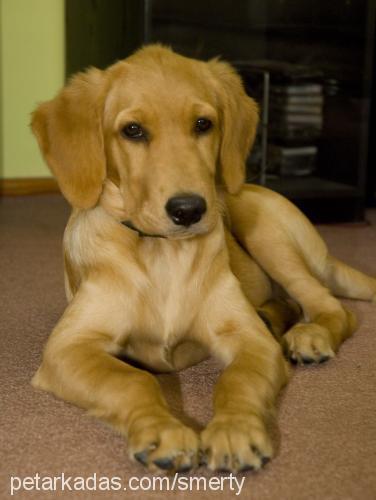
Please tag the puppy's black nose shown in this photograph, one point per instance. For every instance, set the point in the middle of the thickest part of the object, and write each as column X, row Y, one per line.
column 185, row 210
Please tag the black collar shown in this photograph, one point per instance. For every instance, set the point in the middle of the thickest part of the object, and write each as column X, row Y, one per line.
column 141, row 234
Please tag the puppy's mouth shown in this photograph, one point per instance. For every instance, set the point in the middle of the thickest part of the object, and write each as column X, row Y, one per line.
column 174, row 235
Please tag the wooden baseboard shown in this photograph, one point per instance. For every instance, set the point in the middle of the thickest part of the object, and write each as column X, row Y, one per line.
column 28, row 186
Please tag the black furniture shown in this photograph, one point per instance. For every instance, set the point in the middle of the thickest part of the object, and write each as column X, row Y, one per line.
column 334, row 40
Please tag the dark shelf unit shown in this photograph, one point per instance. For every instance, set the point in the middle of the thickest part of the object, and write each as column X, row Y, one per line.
column 312, row 187
column 336, row 37
column 320, row 199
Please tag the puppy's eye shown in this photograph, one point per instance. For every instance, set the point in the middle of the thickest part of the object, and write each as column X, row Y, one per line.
column 203, row 125
column 133, row 131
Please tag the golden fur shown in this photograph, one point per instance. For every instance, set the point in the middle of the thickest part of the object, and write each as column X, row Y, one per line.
column 171, row 300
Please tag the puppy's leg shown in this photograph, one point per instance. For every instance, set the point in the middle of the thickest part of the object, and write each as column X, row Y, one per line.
column 327, row 324
column 237, row 439
column 345, row 281
column 279, row 315
column 289, row 249
column 78, row 367
column 273, row 230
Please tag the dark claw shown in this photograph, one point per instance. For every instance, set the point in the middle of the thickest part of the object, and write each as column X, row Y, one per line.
column 184, row 468
column 225, row 470
column 263, row 458
column 323, row 359
column 307, row 361
column 225, row 465
column 164, row 463
column 142, row 457
column 246, row 468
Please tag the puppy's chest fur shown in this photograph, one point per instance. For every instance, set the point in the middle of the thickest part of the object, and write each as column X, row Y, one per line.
column 162, row 285
column 172, row 283
column 167, row 302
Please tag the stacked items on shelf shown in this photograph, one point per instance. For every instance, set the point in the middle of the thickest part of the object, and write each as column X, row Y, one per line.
column 294, row 101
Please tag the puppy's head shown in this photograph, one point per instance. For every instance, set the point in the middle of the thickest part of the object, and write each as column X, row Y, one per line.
column 150, row 138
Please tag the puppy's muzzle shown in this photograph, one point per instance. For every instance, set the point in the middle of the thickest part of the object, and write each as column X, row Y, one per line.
column 185, row 210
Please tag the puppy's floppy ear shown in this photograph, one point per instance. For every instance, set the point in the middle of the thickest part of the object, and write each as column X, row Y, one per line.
column 69, row 133
column 239, row 119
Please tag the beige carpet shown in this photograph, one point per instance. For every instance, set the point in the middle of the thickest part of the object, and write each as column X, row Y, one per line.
column 327, row 415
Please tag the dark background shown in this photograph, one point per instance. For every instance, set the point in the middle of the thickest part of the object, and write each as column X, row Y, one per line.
column 335, row 37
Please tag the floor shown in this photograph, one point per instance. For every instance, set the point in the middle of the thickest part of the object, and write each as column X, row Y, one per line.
column 326, row 436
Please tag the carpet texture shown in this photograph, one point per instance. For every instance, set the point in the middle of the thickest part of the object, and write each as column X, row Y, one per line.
column 326, row 436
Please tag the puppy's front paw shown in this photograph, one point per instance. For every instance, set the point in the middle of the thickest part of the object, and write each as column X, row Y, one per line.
column 235, row 443
column 163, row 444
column 307, row 343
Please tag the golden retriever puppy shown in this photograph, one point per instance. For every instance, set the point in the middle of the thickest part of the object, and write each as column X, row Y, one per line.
column 151, row 155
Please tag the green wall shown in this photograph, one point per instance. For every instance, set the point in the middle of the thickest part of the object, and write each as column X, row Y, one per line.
column 31, row 70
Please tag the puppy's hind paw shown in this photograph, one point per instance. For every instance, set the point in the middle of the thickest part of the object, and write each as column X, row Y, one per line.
column 307, row 343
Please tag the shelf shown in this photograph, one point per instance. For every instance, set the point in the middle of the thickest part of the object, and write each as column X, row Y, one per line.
column 310, row 188
column 292, row 30
column 322, row 200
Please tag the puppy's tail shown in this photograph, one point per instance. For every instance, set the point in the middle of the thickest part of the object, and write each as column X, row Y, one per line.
column 344, row 281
